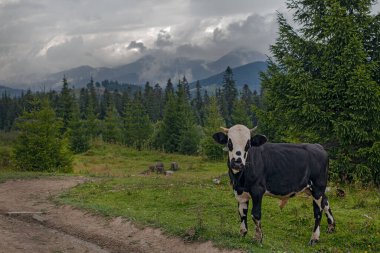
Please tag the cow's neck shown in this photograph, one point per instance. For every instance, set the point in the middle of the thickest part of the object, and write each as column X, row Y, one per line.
column 237, row 180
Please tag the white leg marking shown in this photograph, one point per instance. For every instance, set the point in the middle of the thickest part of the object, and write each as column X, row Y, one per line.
column 327, row 207
column 242, row 206
column 243, row 229
column 315, row 235
column 319, row 203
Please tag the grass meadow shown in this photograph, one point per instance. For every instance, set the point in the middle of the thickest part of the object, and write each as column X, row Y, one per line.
column 188, row 204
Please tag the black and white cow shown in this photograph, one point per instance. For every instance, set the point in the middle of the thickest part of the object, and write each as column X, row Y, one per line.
column 277, row 169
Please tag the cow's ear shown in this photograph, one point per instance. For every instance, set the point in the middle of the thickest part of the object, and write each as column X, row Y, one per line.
column 220, row 138
column 258, row 140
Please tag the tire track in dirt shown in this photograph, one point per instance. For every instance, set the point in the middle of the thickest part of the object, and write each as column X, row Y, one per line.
column 66, row 229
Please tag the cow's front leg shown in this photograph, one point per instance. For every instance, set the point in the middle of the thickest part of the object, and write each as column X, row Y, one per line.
column 256, row 215
column 243, row 200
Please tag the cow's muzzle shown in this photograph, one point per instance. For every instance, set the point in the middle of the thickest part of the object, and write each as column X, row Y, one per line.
column 237, row 164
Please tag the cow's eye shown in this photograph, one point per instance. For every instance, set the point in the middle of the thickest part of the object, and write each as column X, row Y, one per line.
column 247, row 146
column 229, row 145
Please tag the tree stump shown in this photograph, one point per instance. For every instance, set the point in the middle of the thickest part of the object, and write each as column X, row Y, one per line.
column 174, row 166
column 160, row 168
column 152, row 168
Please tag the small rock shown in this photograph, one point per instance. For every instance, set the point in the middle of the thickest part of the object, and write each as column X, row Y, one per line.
column 340, row 193
column 38, row 218
column 216, row 181
column 169, row 172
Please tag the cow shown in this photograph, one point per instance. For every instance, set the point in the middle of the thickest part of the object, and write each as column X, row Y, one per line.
column 257, row 168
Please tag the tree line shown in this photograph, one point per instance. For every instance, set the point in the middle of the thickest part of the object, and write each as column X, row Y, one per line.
column 172, row 119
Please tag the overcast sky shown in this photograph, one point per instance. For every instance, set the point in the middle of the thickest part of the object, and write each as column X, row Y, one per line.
column 53, row 35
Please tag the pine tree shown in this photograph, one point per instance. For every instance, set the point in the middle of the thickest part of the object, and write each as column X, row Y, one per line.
column 105, row 103
column 178, row 132
column 213, row 123
column 148, row 99
column 83, row 102
column 198, row 105
column 240, row 114
column 137, row 127
column 158, row 103
column 169, row 90
column 65, row 105
column 111, row 126
column 322, row 88
column 228, row 96
column 170, row 133
column 186, row 86
column 39, row 146
column 91, row 118
column 79, row 139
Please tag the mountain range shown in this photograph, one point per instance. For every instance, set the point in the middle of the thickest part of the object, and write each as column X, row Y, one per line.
column 158, row 67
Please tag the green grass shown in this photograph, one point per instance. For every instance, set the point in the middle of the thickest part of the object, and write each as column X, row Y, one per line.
column 190, row 205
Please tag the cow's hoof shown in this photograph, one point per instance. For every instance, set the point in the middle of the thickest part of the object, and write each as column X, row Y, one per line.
column 258, row 238
column 331, row 228
column 243, row 232
column 312, row 242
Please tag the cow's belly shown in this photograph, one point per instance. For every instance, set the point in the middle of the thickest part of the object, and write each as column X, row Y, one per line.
column 290, row 194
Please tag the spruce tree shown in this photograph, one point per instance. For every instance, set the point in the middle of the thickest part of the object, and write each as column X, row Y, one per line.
column 198, row 105
column 169, row 90
column 65, row 105
column 137, row 128
column 186, row 87
column 111, row 126
column 240, row 114
column 40, row 146
column 178, row 132
column 77, row 133
column 148, row 99
column 158, row 103
column 83, row 102
column 228, row 95
column 213, row 123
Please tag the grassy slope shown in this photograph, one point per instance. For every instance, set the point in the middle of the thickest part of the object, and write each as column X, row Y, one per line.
column 188, row 204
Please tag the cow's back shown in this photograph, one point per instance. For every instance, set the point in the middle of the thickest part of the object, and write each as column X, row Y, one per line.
column 285, row 168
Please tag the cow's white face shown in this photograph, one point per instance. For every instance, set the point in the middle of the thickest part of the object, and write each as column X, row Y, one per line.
column 238, row 140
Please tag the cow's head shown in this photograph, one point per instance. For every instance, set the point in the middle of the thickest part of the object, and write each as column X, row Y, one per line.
column 238, row 140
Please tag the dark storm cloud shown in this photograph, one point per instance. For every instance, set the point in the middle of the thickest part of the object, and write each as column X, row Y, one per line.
column 137, row 45
column 163, row 39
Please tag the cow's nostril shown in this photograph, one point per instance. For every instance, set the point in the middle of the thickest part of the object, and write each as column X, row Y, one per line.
column 238, row 160
column 238, row 153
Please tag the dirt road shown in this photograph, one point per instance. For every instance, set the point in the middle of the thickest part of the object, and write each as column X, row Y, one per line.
column 44, row 227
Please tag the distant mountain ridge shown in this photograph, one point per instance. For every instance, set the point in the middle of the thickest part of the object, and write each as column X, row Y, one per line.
column 246, row 74
column 10, row 91
column 159, row 67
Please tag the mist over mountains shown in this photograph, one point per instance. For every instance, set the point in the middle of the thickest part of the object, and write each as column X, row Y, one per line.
column 157, row 67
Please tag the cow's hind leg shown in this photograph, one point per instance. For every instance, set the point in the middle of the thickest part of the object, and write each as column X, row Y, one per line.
column 329, row 215
column 318, row 208
column 243, row 201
